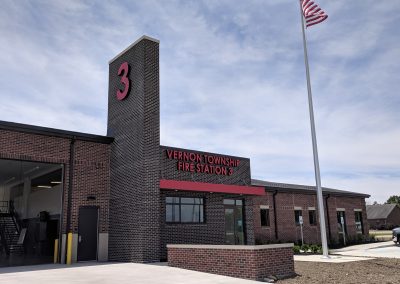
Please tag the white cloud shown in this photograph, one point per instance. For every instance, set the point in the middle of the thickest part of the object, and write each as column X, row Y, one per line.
column 232, row 80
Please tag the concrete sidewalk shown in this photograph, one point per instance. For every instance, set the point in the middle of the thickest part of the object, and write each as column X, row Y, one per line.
column 331, row 259
column 381, row 249
column 110, row 273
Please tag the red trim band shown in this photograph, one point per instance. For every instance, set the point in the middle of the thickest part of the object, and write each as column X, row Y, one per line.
column 211, row 187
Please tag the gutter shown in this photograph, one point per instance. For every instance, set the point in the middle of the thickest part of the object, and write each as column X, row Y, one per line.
column 275, row 217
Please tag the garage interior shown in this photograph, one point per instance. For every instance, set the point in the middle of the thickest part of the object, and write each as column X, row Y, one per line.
column 30, row 210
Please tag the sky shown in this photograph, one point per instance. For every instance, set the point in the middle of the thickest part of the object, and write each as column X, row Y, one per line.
column 232, row 80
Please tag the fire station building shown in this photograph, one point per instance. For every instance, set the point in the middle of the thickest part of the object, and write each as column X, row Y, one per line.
column 124, row 196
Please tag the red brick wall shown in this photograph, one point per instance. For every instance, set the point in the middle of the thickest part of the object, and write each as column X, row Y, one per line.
column 91, row 168
column 287, row 229
column 234, row 261
column 349, row 204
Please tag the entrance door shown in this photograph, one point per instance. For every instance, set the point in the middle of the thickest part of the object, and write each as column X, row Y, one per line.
column 87, row 233
column 234, row 231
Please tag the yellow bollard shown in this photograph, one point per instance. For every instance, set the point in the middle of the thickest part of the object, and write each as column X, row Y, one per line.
column 55, row 251
column 69, row 249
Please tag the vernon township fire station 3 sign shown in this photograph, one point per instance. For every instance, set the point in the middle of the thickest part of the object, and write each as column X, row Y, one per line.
column 203, row 163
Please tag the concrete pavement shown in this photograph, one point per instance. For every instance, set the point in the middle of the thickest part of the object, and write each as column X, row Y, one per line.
column 110, row 273
column 331, row 259
column 381, row 249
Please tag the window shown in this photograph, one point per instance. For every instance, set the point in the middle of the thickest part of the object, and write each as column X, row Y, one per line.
column 237, row 202
column 312, row 217
column 264, row 214
column 184, row 210
column 297, row 215
column 358, row 218
column 341, row 216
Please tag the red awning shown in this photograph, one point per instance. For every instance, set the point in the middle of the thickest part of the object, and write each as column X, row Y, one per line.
column 211, row 187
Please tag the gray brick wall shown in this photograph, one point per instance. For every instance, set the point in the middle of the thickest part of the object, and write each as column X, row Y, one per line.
column 135, row 124
column 213, row 230
column 168, row 170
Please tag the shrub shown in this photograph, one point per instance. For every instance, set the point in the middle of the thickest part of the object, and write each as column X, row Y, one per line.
column 305, row 247
column 296, row 249
column 316, row 248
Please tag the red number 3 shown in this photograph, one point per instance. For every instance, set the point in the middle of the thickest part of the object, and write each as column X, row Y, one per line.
column 123, row 72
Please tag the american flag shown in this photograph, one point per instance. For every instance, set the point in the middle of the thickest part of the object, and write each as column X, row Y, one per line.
column 313, row 14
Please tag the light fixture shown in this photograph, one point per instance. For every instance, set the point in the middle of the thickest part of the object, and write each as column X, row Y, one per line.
column 31, row 170
column 55, row 182
column 44, row 186
column 9, row 180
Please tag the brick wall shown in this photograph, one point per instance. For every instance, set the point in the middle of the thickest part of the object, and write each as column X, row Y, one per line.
column 349, row 204
column 91, row 169
column 168, row 170
column 212, row 231
column 253, row 263
column 286, row 203
column 135, row 124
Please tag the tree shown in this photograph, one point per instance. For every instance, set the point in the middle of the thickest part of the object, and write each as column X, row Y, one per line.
column 394, row 199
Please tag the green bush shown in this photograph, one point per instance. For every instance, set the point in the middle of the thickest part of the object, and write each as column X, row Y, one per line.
column 316, row 248
column 305, row 247
column 296, row 249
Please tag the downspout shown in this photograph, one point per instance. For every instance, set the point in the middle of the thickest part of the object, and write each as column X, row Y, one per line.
column 70, row 188
column 275, row 222
column 327, row 216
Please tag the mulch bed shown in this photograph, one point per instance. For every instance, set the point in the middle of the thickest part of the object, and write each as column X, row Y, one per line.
column 379, row 270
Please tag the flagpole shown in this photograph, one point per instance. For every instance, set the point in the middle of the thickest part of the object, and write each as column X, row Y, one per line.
column 314, row 144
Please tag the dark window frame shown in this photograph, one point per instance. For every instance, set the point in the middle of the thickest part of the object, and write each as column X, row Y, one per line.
column 179, row 203
column 266, row 218
column 296, row 216
column 312, row 217
column 360, row 215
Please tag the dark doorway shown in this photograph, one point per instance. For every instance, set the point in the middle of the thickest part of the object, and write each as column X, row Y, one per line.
column 87, row 233
column 234, row 231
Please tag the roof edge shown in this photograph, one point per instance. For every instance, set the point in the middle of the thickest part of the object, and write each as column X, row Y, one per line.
column 46, row 131
column 133, row 44
column 288, row 187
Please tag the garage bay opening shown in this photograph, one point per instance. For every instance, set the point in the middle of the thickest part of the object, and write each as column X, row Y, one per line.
column 30, row 210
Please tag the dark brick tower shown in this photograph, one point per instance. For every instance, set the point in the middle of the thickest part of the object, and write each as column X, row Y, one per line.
column 134, row 121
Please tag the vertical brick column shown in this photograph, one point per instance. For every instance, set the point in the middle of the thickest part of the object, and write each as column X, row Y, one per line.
column 134, row 122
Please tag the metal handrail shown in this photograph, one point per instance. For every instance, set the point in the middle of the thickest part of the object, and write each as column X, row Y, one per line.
column 4, row 207
column 14, row 216
column 3, row 235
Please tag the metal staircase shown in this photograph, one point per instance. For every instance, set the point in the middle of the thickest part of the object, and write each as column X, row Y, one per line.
column 10, row 232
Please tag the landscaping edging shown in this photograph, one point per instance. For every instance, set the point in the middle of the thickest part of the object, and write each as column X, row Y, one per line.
column 249, row 262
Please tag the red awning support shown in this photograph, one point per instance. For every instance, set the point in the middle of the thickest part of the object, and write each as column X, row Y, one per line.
column 210, row 187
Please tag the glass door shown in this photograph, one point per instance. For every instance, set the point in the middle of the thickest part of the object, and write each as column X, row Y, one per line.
column 234, row 230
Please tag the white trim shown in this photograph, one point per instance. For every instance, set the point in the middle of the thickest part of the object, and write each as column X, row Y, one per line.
column 357, row 210
column 311, row 208
column 264, row 206
column 298, row 208
column 232, row 247
column 340, row 209
column 133, row 44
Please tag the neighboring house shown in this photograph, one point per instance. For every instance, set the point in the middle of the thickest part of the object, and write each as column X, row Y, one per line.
column 383, row 216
